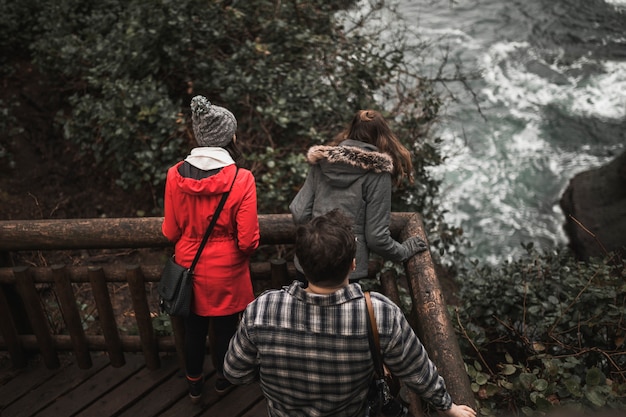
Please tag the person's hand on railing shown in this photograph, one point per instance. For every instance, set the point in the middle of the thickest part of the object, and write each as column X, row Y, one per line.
column 459, row 411
column 414, row 245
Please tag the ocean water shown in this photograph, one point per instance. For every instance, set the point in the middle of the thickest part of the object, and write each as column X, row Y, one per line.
column 552, row 94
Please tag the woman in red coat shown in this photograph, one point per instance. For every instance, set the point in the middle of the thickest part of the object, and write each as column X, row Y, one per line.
column 222, row 287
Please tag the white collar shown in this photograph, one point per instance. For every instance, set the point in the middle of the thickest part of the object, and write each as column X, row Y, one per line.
column 207, row 158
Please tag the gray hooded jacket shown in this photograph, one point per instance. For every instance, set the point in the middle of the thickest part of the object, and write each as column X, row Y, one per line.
column 356, row 178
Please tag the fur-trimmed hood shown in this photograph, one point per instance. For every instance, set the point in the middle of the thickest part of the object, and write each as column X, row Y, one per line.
column 351, row 159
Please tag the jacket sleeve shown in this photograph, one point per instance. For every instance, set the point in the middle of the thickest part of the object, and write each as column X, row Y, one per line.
column 170, row 227
column 247, row 217
column 405, row 356
column 378, row 217
column 302, row 205
column 241, row 365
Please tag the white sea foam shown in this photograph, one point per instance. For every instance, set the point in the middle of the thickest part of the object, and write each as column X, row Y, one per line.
column 617, row 3
column 604, row 95
column 510, row 82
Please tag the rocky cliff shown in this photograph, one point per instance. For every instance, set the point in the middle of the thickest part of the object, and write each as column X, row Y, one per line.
column 594, row 205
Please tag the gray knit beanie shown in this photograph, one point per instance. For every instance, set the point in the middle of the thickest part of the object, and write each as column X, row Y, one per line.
column 212, row 125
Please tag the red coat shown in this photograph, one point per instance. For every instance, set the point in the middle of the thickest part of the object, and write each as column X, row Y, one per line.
column 222, row 284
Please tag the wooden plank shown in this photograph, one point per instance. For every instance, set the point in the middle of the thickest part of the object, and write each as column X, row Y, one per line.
column 184, row 406
column 280, row 274
column 25, row 380
column 178, row 330
column 94, row 342
column 67, row 302
column 143, row 232
column 259, row 410
column 38, row 320
column 46, row 393
column 105, row 233
column 139, row 299
column 8, row 330
column 93, row 388
column 160, row 398
column 260, row 271
column 127, row 392
column 435, row 328
column 108, row 325
column 237, row 402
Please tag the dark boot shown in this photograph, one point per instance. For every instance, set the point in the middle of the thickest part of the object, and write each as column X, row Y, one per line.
column 195, row 388
column 223, row 386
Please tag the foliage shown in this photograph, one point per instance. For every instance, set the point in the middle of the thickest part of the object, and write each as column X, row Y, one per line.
column 292, row 72
column 8, row 125
column 545, row 331
column 162, row 325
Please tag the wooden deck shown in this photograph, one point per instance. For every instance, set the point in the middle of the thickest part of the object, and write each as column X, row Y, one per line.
column 131, row 390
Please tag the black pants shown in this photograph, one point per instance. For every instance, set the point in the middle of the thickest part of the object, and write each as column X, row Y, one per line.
column 222, row 329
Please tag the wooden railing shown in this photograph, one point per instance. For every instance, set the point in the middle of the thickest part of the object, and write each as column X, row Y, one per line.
column 24, row 323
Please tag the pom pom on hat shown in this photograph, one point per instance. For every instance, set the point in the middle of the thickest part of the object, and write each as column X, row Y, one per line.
column 212, row 125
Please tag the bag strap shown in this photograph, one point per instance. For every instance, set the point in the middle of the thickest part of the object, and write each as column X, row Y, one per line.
column 209, row 229
column 372, row 335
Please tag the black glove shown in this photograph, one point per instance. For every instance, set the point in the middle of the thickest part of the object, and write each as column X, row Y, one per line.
column 414, row 245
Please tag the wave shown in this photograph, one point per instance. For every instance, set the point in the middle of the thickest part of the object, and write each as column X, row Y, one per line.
column 552, row 94
column 503, row 178
column 520, row 78
column 618, row 3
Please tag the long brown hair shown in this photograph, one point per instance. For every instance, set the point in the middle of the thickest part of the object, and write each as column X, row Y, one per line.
column 370, row 126
column 235, row 152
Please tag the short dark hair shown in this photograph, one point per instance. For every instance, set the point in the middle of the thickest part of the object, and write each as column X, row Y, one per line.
column 325, row 248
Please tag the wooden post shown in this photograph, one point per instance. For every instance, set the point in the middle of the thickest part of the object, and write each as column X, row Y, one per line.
column 67, row 302
column 9, row 332
column 38, row 320
column 389, row 284
column 137, row 288
column 178, row 328
column 279, row 274
column 435, row 329
column 106, row 316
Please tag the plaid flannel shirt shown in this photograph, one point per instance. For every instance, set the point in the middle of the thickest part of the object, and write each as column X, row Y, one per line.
column 311, row 353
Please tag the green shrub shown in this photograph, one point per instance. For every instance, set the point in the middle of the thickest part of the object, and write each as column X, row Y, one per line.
column 545, row 331
column 293, row 73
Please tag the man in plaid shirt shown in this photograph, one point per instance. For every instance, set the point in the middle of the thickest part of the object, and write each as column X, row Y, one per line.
column 309, row 346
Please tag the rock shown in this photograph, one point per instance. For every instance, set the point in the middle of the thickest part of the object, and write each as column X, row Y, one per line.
column 594, row 205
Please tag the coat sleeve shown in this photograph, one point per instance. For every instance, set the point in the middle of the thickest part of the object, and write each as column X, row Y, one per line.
column 378, row 217
column 170, row 227
column 247, row 217
column 302, row 205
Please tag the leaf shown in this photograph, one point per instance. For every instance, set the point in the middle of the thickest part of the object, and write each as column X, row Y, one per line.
column 573, row 386
column 594, row 395
column 527, row 379
column 506, row 385
column 540, row 385
column 594, row 377
column 481, row 378
column 543, row 404
column 508, row 369
column 491, row 389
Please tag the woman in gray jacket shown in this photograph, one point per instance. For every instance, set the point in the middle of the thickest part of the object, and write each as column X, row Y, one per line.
column 355, row 174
